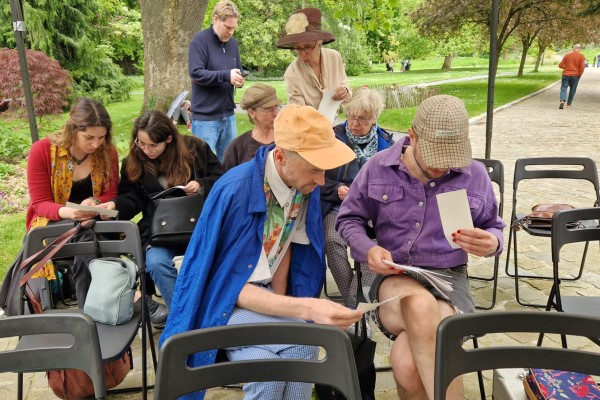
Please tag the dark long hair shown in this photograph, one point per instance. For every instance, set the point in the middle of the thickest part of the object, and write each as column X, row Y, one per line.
column 173, row 164
column 89, row 113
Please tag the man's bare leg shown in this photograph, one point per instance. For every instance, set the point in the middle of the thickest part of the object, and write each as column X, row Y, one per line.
column 415, row 319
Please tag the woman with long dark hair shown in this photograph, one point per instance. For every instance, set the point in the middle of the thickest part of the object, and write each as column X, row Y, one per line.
column 160, row 158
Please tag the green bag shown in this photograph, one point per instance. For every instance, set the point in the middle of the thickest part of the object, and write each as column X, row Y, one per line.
column 110, row 297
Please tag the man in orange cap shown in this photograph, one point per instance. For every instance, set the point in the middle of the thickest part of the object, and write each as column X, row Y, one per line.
column 257, row 252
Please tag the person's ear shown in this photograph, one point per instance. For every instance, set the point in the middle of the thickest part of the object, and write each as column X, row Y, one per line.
column 279, row 156
column 412, row 136
column 169, row 139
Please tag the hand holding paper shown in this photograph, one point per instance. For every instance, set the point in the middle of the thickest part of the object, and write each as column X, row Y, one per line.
column 455, row 213
column 328, row 107
column 97, row 210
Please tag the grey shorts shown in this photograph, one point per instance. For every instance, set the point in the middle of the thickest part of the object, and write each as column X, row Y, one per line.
column 460, row 298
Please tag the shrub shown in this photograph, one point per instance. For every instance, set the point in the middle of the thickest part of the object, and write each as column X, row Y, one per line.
column 50, row 83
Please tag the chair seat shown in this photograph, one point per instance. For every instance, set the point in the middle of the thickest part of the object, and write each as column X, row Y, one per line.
column 588, row 305
column 113, row 338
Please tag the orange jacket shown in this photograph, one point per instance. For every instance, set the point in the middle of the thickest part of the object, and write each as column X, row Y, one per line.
column 573, row 64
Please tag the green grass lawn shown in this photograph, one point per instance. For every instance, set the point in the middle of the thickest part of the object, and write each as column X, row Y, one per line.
column 474, row 93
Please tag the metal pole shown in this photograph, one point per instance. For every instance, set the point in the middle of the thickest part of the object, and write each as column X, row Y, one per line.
column 493, row 66
column 16, row 10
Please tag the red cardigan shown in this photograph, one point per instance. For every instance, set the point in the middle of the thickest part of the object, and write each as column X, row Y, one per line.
column 41, row 199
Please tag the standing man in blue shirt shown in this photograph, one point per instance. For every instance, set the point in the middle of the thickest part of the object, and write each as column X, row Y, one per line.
column 215, row 68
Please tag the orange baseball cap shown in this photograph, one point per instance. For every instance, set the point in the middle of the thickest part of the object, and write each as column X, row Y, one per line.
column 306, row 131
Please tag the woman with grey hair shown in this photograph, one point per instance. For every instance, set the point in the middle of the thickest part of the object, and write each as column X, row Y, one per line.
column 363, row 135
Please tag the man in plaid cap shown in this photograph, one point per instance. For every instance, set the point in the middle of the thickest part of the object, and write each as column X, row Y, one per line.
column 396, row 192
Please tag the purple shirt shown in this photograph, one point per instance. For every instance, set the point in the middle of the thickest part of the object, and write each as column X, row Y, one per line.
column 405, row 214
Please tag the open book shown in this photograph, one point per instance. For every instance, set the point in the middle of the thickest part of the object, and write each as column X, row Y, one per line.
column 438, row 280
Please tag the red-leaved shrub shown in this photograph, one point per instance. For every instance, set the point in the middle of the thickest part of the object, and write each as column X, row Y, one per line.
column 50, row 83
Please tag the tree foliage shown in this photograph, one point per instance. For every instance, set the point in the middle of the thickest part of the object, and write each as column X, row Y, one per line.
column 50, row 83
column 72, row 32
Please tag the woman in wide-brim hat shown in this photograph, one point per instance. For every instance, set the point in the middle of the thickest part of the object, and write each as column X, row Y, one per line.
column 315, row 69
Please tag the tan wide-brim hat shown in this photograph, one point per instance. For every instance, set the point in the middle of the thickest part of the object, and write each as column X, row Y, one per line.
column 306, row 131
column 304, row 26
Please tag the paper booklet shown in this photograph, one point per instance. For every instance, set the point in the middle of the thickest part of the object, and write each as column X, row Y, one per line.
column 437, row 279
column 98, row 210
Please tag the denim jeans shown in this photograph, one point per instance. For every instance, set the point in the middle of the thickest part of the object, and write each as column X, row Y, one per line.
column 571, row 83
column 217, row 133
column 159, row 264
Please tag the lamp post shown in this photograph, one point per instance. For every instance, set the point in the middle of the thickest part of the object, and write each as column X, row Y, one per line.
column 16, row 11
column 493, row 66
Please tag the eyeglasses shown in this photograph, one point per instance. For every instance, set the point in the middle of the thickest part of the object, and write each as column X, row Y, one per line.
column 150, row 147
column 269, row 109
column 305, row 49
column 362, row 120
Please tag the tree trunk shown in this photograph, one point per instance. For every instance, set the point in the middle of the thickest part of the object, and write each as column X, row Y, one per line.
column 447, row 66
column 540, row 58
column 526, row 43
column 168, row 27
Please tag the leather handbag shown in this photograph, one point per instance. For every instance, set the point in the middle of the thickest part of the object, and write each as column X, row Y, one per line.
column 174, row 218
column 110, row 297
column 541, row 217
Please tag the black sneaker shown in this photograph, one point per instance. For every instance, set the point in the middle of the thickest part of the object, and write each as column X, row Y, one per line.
column 158, row 313
column 561, row 106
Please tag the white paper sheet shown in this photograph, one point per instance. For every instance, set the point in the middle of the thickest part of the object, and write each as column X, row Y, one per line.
column 454, row 213
column 329, row 107
column 97, row 210
column 364, row 307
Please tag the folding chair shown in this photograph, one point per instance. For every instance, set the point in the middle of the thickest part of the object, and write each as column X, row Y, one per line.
column 174, row 378
column 116, row 238
column 79, row 349
column 496, row 171
column 562, row 235
column 452, row 360
column 546, row 168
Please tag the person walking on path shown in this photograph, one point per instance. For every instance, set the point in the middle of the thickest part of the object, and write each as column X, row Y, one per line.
column 215, row 70
column 573, row 65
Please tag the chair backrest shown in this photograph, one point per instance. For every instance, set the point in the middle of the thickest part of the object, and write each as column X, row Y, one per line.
column 562, row 234
column 495, row 170
column 556, row 168
column 84, row 340
column 452, row 360
column 174, row 378
column 119, row 237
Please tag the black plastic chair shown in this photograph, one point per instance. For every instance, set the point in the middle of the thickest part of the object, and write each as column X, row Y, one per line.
column 174, row 378
column 116, row 238
column 562, row 235
column 546, row 168
column 496, row 171
column 79, row 347
column 452, row 360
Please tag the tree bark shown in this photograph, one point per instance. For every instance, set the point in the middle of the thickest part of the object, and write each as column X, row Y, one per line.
column 525, row 42
column 168, row 27
column 447, row 66
column 540, row 58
